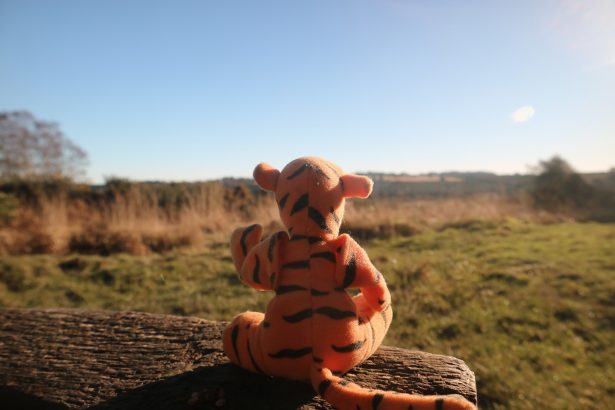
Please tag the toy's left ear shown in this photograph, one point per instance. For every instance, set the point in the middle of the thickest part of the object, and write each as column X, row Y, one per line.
column 357, row 186
column 266, row 176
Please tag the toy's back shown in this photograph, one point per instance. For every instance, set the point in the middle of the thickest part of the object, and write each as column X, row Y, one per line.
column 313, row 330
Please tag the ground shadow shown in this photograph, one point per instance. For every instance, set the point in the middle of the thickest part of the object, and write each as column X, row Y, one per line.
column 214, row 387
column 11, row 398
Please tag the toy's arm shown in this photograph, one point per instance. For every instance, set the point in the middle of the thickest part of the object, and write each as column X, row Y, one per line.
column 355, row 270
column 256, row 261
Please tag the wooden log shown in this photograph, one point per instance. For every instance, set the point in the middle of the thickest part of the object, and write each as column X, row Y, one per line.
column 62, row 358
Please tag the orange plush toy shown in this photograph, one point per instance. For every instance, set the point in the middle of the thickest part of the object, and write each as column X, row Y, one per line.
column 313, row 329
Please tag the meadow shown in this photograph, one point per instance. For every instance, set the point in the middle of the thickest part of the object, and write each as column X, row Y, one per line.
column 525, row 297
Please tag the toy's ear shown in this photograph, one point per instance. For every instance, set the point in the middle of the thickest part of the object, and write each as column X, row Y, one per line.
column 357, row 186
column 266, row 176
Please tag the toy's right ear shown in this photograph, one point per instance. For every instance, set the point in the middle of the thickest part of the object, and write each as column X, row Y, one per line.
column 356, row 186
column 266, row 176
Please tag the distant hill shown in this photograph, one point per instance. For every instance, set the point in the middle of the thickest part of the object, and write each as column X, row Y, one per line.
column 449, row 184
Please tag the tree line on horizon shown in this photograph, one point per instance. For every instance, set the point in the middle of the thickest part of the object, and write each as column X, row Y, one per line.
column 37, row 158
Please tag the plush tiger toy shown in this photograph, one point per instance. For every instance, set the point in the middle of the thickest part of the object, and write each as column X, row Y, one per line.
column 313, row 329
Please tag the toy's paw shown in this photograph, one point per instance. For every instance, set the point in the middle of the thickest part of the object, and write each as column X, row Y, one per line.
column 242, row 240
column 377, row 300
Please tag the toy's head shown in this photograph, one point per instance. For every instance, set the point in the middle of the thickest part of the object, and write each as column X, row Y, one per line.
column 310, row 193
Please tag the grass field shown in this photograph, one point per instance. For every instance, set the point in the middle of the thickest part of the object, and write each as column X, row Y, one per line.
column 529, row 307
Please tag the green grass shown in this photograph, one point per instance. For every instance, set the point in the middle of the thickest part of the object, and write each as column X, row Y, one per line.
column 530, row 308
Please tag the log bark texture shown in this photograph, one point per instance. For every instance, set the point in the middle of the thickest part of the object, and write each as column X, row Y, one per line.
column 61, row 358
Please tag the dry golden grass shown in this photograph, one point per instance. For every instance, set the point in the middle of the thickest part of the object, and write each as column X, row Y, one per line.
column 135, row 223
column 436, row 213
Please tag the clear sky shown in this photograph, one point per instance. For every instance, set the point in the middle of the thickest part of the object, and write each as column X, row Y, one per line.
column 188, row 90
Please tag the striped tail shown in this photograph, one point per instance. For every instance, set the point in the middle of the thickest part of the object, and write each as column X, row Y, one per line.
column 345, row 395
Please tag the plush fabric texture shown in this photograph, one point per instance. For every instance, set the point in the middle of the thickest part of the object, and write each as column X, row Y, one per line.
column 313, row 330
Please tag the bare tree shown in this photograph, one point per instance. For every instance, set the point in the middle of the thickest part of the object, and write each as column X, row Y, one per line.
column 31, row 148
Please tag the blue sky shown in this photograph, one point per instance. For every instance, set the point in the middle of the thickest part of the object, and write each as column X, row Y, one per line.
column 189, row 90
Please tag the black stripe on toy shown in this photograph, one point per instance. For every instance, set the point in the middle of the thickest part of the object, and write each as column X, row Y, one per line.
column 348, row 348
column 258, row 369
column 334, row 313
column 322, row 387
column 266, row 324
column 288, row 288
column 297, row 265
column 315, row 215
column 234, row 335
column 291, row 353
column 283, row 200
column 317, row 359
column 376, row 400
column 439, row 404
column 256, row 274
column 351, row 271
column 318, row 171
column 333, row 170
column 300, row 204
column 310, row 239
column 299, row 316
column 316, row 292
column 335, row 218
column 272, row 242
column 298, row 172
column 324, row 255
column 244, row 235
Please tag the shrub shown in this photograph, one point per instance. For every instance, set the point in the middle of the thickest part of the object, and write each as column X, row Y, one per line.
column 558, row 188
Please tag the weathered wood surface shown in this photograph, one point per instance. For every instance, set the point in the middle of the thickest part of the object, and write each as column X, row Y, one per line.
column 60, row 358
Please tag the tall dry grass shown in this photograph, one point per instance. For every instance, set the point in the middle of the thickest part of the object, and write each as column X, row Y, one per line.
column 134, row 222
column 384, row 218
column 131, row 221
column 434, row 213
